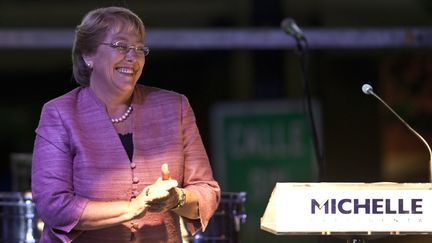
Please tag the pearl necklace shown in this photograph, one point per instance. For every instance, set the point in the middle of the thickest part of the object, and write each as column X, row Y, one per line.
column 124, row 116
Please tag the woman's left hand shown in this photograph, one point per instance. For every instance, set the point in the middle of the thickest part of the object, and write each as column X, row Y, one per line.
column 163, row 195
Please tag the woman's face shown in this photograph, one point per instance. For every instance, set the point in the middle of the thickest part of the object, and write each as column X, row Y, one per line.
column 116, row 68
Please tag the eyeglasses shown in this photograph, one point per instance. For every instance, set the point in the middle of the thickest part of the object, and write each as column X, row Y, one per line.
column 124, row 48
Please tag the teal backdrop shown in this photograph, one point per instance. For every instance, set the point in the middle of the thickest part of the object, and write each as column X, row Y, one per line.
column 257, row 144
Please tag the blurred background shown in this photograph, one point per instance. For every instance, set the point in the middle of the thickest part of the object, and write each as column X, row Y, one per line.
column 242, row 76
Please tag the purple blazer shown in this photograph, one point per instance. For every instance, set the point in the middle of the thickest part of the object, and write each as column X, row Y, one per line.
column 78, row 156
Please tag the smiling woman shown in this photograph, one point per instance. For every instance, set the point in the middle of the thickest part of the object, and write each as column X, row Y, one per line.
column 123, row 161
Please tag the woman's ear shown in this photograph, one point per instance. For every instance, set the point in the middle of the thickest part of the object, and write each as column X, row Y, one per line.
column 88, row 61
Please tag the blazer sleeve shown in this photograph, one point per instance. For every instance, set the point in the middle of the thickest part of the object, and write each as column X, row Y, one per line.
column 52, row 176
column 198, row 175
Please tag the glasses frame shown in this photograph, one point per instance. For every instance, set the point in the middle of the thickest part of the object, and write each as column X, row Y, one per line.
column 124, row 49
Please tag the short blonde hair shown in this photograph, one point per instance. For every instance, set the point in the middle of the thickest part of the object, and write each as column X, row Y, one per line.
column 92, row 31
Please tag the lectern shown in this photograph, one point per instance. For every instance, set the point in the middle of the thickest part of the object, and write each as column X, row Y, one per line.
column 349, row 209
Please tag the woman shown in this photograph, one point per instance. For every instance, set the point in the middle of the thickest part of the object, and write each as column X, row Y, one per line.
column 101, row 155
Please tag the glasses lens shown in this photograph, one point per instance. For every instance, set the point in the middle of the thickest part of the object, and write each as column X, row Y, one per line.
column 124, row 48
column 120, row 46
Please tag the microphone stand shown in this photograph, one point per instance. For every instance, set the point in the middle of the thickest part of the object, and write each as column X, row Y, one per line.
column 301, row 50
column 356, row 240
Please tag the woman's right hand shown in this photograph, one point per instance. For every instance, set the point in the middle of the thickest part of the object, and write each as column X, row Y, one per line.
column 160, row 191
column 162, row 194
column 138, row 206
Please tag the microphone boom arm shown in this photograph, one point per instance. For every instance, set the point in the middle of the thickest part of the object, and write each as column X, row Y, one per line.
column 368, row 90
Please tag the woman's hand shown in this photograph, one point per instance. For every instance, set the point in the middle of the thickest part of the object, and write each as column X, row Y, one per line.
column 138, row 206
column 163, row 194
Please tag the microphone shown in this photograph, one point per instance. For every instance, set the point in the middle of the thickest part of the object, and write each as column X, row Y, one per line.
column 367, row 89
column 290, row 27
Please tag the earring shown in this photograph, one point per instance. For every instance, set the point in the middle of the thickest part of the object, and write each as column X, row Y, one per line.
column 89, row 65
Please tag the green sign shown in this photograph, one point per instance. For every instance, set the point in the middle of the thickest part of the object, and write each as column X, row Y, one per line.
column 256, row 145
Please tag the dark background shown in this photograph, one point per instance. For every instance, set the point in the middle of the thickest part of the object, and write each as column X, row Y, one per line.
column 352, row 122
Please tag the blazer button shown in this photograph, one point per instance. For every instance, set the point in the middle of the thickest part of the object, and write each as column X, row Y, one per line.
column 135, row 180
column 132, row 165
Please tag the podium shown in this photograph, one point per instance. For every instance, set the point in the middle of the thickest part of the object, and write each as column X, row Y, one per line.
column 362, row 210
